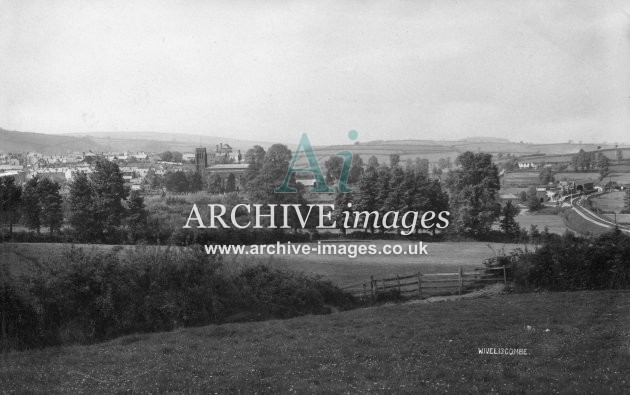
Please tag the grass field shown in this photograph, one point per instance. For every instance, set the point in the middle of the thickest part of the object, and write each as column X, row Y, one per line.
column 581, row 176
column 576, row 343
column 441, row 257
column 619, row 178
column 580, row 225
column 553, row 222
column 520, row 178
column 609, row 202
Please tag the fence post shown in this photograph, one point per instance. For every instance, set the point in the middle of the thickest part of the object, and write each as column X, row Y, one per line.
column 398, row 279
column 461, row 280
column 420, row 285
column 504, row 275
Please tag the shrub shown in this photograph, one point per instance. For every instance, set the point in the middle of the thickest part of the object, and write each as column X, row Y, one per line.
column 85, row 297
column 570, row 263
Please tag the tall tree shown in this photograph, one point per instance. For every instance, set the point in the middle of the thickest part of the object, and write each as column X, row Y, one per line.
column 545, row 176
column 366, row 199
column 136, row 218
column 255, row 158
column 215, row 183
column 372, row 162
column 508, row 224
column 603, row 164
column 394, row 160
column 10, row 199
column 230, row 183
column 472, row 189
column 333, row 169
column 533, row 201
column 51, row 214
column 195, row 182
column 31, row 206
column 268, row 175
column 356, row 170
column 109, row 192
column 82, row 208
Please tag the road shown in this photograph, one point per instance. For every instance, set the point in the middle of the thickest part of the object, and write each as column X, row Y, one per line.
column 576, row 203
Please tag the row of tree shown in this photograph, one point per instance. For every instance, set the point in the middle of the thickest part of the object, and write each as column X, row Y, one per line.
column 38, row 203
column 383, row 188
column 100, row 206
column 591, row 160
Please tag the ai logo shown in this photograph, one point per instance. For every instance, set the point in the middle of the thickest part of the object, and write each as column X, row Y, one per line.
column 313, row 167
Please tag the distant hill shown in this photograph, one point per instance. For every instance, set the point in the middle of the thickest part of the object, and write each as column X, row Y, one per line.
column 486, row 139
column 434, row 150
column 159, row 142
column 12, row 141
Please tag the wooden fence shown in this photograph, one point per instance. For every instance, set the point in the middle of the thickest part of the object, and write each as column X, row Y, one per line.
column 428, row 284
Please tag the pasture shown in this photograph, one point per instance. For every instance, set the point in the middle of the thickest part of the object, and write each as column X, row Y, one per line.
column 340, row 269
column 619, row 178
column 576, row 342
column 622, row 219
column 609, row 202
column 520, row 179
column 577, row 176
column 553, row 222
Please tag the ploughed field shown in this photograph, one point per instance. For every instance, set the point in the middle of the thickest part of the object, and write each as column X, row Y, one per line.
column 576, row 342
column 340, row 268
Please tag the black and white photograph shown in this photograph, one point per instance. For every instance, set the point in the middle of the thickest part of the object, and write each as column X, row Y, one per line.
column 297, row 196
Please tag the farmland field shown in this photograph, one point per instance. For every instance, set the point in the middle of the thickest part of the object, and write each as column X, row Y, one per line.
column 553, row 222
column 622, row 219
column 609, row 202
column 442, row 257
column 576, row 342
column 619, row 178
column 578, row 176
column 521, row 178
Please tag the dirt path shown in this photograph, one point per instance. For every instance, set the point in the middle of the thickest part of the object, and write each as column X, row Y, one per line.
column 492, row 289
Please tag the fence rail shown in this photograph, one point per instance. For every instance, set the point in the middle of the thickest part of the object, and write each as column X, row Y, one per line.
column 428, row 284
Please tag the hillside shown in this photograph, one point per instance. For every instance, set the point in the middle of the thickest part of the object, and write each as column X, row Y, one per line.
column 436, row 149
column 13, row 141
column 576, row 342
column 159, row 142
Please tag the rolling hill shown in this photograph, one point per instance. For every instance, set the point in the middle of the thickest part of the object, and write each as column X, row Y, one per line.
column 159, row 142
column 12, row 141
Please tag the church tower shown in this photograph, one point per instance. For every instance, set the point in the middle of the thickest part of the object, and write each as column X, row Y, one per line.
column 201, row 159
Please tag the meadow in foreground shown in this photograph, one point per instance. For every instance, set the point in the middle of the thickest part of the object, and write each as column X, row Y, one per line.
column 577, row 342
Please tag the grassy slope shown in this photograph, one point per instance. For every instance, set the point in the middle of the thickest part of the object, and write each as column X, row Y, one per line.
column 442, row 257
column 580, row 225
column 404, row 348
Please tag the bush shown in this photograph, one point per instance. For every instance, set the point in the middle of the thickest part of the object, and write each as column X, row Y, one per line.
column 571, row 263
column 86, row 297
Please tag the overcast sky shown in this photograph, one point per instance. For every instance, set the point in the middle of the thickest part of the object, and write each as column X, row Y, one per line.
column 539, row 71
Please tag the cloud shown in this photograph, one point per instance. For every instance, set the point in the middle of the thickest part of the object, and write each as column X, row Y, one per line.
column 396, row 69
